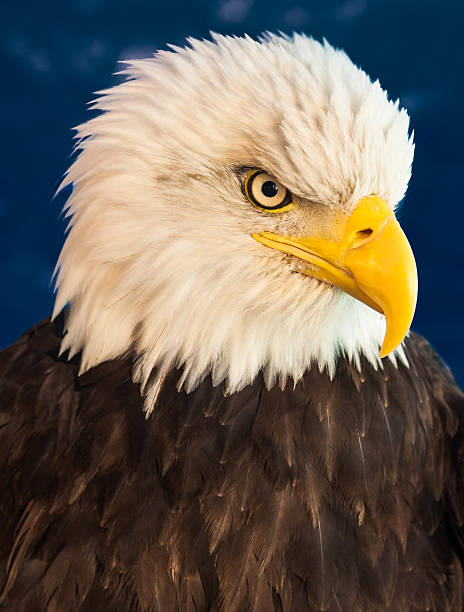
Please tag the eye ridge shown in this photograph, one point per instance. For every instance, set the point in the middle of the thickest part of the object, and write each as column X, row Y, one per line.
column 259, row 185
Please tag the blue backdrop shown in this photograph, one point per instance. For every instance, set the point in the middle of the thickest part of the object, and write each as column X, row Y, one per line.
column 55, row 54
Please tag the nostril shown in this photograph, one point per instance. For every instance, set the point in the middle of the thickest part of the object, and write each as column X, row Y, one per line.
column 365, row 233
column 359, row 238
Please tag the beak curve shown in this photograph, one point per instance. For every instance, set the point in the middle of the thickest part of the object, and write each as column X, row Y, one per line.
column 368, row 256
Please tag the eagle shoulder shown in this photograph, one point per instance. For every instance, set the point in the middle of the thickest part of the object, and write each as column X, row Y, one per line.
column 64, row 444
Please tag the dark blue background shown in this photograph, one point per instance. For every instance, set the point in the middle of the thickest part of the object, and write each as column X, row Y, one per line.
column 55, row 54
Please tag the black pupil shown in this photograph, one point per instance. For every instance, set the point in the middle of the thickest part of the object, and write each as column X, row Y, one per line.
column 269, row 189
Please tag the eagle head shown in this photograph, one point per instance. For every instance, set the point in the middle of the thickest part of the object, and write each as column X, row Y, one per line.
column 233, row 213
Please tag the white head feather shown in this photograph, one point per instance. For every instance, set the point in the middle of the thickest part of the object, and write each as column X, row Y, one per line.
column 160, row 260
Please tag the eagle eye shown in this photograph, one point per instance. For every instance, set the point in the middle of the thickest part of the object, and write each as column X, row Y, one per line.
column 266, row 193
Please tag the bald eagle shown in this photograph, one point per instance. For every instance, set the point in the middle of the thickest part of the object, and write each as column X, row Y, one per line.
column 227, row 411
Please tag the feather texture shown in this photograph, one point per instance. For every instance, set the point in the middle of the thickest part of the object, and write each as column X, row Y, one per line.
column 343, row 494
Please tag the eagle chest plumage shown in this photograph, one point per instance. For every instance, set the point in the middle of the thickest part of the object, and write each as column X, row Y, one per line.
column 334, row 495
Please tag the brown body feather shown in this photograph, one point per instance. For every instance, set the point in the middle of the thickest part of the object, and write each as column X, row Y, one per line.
column 342, row 494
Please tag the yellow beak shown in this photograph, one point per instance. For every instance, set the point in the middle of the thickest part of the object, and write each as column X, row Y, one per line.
column 366, row 255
